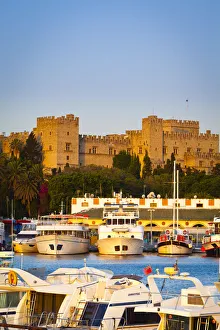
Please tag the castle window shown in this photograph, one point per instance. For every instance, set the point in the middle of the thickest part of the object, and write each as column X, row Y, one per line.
column 94, row 150
column 110, row 151
column 68, row 146
column 90, row 151
column 50, row 133
column 67, row 157
column 211, row 163
column 41, row 133
column 200, row 163
column 198, row 149
column 140, row 150
column 165, row 150
column 129, row 151
column 114, row 152
column 68, row 133
column 175, row 151
column 188, row 149
column 211, row 151
column 50, row 147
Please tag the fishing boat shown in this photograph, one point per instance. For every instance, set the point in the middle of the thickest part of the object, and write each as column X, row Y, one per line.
column 211, row 240
column 195, row 307
column 175, row 241
column 25, row 241
column 77, row 299
column 120, row 234
column 60, row 234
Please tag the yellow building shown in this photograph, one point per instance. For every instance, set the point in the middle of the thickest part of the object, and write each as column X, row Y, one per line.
column 63, row 145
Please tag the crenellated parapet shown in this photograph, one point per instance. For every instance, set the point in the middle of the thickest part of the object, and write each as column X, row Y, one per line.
column 189, row 135
column 152, row 120
column 205, row 155
column 117, row 139
column 136, row 133
column 51, row 120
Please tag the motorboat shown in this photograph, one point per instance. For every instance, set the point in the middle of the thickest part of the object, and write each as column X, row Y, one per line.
column 60, row 234
column 25, row 241
column 195, row 307
column 77, row 299
column 175, row 241
column 211, row 240
column 120, row 233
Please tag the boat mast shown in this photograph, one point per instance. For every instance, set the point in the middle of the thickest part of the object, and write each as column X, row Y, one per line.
column 174, row 193
column 177, row 199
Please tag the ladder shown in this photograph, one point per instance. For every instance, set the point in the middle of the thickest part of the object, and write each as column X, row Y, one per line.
column 203, row 323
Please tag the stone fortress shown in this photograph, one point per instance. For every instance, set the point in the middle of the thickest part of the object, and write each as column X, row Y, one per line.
column 62, row 143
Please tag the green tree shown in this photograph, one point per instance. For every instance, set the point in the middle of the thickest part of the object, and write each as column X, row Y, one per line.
column 16, row 146
column 122, row 160
column 32, row 150
column 135, row 166
column 147, row 166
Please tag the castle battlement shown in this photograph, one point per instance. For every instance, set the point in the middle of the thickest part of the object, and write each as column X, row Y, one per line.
column 49, row 120
column 121, row 139
column 152, row 120
column 187, row 135
column 134, row 132
column 204, row 155
column 181, row 123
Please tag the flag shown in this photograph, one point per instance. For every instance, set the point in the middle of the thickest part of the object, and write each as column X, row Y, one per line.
column 186, row 100
column 202, row 249
column 147, row 270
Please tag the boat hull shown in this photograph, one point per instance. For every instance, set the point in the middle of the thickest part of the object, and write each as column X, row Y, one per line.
column 120, row 246
column 174, row 247
column 6, row 254
column 212, row 249
column 25, row 247
column 61, row 244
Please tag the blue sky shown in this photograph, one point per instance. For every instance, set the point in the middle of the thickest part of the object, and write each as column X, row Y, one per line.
column 111, row 63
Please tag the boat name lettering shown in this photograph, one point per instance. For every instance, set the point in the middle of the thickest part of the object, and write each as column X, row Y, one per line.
column 134, row 294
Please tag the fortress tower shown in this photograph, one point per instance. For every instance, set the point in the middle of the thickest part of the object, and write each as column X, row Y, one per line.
column 60, row 139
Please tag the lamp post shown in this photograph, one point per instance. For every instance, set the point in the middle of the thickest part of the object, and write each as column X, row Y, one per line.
column 151, row 218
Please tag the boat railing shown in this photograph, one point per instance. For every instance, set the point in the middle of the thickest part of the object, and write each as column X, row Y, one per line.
column 57, row 223
column 51, row 320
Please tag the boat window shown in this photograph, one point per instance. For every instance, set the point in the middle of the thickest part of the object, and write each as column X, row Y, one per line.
column 128, row 221
column 58, row 232
column 51, row 246
column 124, row 248
column 109, row 236
column 93, row 314
column 27, row 236
column 114, row 221
column 9, row 299
column 133, row 221
column 194, row 299
column 108, row 222
column 174, row 322
column 117, row 248
column 131, row 318
column 59, row 247
column 121, row 221
column 132, row 236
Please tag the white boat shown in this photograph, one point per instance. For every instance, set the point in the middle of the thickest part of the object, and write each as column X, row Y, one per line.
column 120, row 235
column 5, row 253
column 25, row 241
column 77, row 299
column 211, row 241
column 60, row 234
column 196, row 307
column 175, row 241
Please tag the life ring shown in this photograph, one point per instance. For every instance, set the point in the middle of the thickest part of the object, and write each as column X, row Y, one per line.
column 167, row 231
column 184, row 232
column 12, row 278
column 207, row 232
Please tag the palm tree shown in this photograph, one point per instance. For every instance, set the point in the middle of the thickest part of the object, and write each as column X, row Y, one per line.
column 16, row 146
column 26, row 189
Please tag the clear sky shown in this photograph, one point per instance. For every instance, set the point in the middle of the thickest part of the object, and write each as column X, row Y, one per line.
column 109, row 62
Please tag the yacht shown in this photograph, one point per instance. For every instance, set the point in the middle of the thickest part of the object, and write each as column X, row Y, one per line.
column 120, row 234
column 60, row 234
column 77, row 299
column 196, row 307
column 25, row 241
column 175, row 241
column 211, row 241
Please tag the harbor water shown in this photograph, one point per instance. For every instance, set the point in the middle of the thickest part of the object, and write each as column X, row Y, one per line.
column 204, row 268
